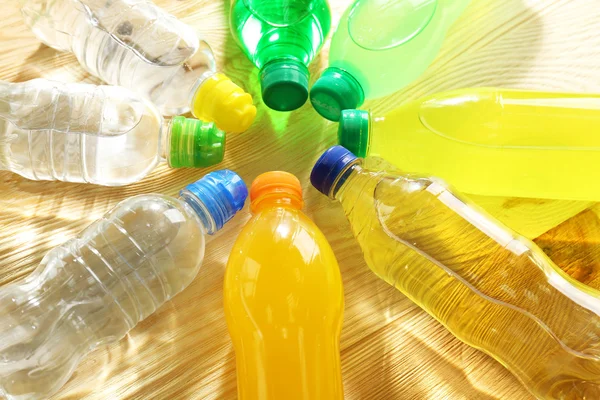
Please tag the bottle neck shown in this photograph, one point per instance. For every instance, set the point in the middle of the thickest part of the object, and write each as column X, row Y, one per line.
column 200, row 210
column 276, row 200
column 164, row 140
column 345, row 178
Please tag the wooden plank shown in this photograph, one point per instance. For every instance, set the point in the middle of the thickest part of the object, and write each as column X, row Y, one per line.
column 390, row 348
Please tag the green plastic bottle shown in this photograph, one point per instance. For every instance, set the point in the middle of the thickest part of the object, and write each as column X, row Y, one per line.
column 379, row 47
column 281, row 37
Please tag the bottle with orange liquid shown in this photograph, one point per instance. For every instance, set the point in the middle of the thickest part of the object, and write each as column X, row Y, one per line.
column 284, row 299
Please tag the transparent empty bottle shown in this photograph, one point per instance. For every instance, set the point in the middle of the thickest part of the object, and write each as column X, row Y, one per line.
column 93, row 289
column 493, row 289
column 106, row 135
column 135, row 44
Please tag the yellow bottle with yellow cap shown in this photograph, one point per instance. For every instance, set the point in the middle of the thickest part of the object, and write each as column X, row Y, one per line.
column 135, row 44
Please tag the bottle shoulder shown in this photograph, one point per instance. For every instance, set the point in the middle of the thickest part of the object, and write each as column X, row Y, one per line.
column 277, row 234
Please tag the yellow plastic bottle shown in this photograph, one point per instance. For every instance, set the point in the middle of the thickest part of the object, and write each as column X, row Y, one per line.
column 284, row 299
column 490, row 141
column 491, row 288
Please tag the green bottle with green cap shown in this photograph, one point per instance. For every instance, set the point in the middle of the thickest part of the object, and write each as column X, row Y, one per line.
column 379, row 47
column 281, row 37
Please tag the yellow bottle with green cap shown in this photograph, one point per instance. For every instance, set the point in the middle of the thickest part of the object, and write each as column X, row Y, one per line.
column 105, row 135
column 281, row 37
column 137, row 45
column 379, row 47
column 488, row 141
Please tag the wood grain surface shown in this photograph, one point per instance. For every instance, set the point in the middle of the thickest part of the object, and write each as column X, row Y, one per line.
column 390, row 348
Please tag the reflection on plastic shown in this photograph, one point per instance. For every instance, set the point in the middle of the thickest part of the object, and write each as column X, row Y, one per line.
column 491, row 288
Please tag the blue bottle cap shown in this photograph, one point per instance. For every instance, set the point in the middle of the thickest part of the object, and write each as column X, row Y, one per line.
column 222, row 193
column 329, row 166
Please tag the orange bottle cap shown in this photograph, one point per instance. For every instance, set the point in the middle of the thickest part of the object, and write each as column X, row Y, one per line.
column 276, row 184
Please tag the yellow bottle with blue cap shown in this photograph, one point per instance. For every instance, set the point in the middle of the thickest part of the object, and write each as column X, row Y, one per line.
column 491, row 288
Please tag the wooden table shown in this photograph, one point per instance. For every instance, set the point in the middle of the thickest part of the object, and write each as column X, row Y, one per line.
column 390, row 348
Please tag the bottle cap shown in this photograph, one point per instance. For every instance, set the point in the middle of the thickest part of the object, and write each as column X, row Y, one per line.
column 284, row 84
column 222, row 193
column 334, row 91
column 353, row 131
column 329, row 166
column 276, row 183
column 221, row 101
column 195, row 143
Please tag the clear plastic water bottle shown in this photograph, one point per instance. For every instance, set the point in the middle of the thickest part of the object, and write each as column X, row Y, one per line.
column 106, row 135
column 93, row 289
column 491, row 288
column 135, row 44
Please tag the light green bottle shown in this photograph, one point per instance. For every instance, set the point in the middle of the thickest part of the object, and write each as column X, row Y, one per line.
column 281, row 37
column 379, row 47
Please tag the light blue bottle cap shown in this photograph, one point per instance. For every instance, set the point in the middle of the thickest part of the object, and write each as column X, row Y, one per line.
column 221, row 193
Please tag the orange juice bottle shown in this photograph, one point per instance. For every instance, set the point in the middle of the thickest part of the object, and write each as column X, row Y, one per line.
column 284, row 299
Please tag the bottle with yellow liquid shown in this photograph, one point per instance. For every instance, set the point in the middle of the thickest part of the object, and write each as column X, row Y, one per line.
column 284, row 299
column 488, row 141
column 491, row 288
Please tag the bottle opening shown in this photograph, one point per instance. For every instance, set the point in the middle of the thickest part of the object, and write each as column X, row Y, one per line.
column 353, row 131
column 194, row 143
column 217, row 99
column 330, row 169
column 383, row 24
column 216, row 198
column 284, row 84
column 276, row 187
column 334, row 91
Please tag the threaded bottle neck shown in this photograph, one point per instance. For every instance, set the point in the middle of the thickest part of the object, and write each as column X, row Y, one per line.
column 193, row 143
column 275, row 189
column 216, row 198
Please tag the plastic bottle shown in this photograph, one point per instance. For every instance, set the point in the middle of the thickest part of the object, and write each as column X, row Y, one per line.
column 135, row 44
column 489, row 141
column 284, row 299
column 106, row 135
column 491, row 288
column 93, row 289
column 379, row 47
column 281, row 37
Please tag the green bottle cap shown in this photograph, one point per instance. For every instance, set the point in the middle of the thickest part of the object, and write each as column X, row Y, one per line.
column 353, row 131
column 284, row 84
column 334, row 91
column 195, row 143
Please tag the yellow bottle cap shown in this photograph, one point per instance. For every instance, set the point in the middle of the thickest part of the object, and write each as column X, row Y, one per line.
column 221, row 101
